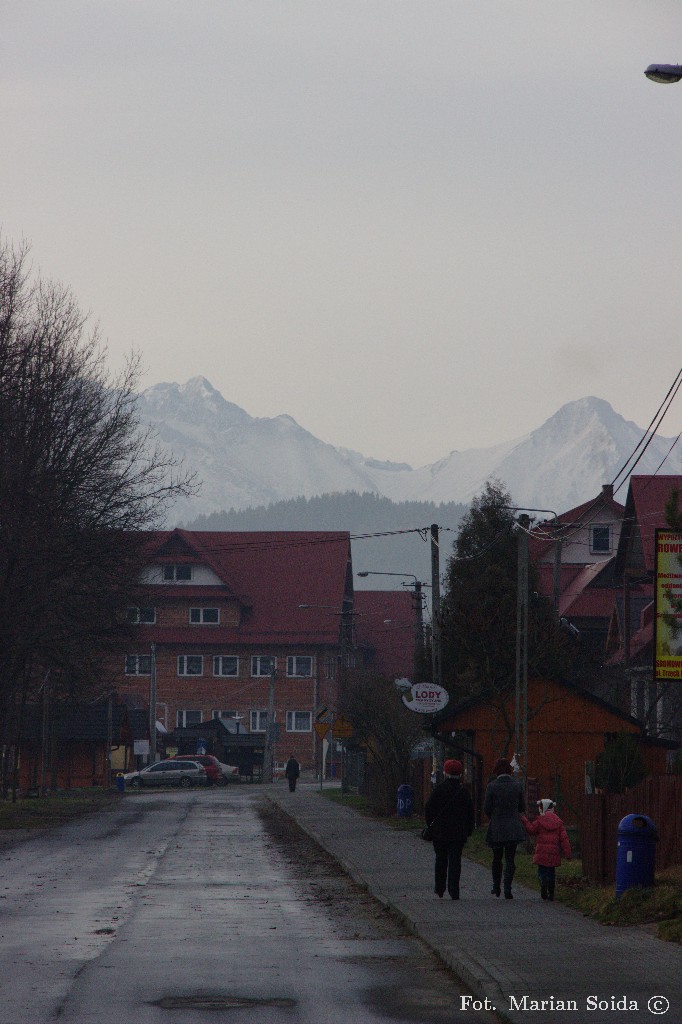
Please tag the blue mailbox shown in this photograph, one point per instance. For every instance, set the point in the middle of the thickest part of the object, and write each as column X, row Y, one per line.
column 636, row 857
column 405, row 801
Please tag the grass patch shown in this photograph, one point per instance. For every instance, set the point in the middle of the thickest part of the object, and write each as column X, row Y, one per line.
column 659, row 907
column 55, row 809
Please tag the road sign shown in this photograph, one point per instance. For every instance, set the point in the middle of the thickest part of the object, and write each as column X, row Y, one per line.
column 342, row 728
column 321, row 728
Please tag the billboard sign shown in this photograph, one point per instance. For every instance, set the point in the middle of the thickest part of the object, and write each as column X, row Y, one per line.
column 426, row 698
column 668, row 593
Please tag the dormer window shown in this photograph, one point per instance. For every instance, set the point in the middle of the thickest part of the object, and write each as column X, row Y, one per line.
column 177, row 573
column 600, row 539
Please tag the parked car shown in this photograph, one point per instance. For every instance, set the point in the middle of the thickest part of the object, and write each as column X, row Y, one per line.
column 175, row 772
column 229, row 772
column 210, row 763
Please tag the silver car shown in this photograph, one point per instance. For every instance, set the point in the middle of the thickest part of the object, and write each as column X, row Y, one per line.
column 168, row 773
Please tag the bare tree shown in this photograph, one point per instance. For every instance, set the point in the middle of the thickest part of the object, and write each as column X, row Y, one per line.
column 80, row 479
column 386, row 729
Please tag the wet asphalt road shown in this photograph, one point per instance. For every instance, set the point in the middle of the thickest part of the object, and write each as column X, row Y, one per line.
column 198, row 908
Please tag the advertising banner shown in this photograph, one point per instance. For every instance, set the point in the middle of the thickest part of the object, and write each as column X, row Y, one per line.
column 668, row 605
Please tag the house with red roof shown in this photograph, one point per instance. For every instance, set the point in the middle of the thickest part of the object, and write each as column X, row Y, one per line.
column 585, row 536
column 631, row 636
column 387, row 631
column 574, row 556
column 229, row 622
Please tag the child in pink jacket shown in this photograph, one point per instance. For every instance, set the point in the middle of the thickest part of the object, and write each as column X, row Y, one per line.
column 551, row 841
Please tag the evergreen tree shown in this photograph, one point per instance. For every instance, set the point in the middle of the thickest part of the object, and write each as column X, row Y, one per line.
column 479, row 607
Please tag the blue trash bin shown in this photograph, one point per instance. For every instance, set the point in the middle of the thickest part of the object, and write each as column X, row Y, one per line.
column 636, row 857
column 120, row 783
column 405, row 801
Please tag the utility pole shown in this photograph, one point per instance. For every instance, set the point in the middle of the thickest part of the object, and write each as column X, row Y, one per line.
column 152, row 706
column 268, row 765
column 435, row 607
column 436, row 666
column 556, row 580
column 521, row 709
column 419, row 633
column 44, row 735
column 110, row 739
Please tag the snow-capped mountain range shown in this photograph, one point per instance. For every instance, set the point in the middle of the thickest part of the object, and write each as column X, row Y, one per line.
column 244, row 461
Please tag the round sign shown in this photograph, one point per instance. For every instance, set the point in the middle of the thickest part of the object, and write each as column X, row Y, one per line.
column 426, row 698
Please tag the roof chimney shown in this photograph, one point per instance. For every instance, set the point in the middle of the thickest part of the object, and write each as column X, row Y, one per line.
column 607, row 491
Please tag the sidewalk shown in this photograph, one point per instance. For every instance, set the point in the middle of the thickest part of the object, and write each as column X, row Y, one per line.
column 503, row 950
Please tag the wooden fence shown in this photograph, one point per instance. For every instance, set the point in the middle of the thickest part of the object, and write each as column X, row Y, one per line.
column 659, row 797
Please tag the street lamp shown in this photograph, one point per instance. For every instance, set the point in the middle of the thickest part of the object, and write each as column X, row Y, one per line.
column 666, row 74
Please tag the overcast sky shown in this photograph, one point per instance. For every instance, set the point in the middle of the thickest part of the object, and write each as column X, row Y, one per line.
column 413, row 225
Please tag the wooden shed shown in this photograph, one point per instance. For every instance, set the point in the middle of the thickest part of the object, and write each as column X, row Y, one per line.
column 568, row 727
column 67, row 746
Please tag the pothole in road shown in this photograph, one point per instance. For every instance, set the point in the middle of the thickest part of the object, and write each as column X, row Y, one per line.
column 219, row 1002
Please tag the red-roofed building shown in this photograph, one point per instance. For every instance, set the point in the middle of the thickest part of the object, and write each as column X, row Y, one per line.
column 644, row 514
column 386, row 630
column 574, row 556
column 220, row 610
column 631, row 638
column 587, row 535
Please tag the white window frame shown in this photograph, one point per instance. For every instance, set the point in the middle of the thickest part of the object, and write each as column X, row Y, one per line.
column 293, row 726
column 228, row 715
column 169, row 573
column 293, row 666
column 183, row 662
column 256, row 660
column 137, row 670
column 217, row 666
column 258, row 721
column 181, row 719
column 135, row 616
column 200, row 618
column 330, row 664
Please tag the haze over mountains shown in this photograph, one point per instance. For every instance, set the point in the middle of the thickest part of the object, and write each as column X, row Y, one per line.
column 244, row 461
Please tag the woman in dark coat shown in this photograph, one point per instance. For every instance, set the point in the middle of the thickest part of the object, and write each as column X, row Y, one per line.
column 450, row 812
column 504, row 803
column 292, row 771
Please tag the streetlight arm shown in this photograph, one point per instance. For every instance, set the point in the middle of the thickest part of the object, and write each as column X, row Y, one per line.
column 666, row 74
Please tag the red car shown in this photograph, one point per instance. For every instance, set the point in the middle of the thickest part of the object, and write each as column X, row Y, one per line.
column 210, row 763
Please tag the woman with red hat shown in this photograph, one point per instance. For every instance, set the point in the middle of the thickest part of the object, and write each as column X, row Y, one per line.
column 449, row 812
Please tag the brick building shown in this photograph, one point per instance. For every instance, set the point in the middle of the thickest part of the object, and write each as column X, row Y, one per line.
column 219, row 612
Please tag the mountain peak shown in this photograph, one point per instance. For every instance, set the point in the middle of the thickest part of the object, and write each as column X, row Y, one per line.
column 247, row 461
column 196, row 402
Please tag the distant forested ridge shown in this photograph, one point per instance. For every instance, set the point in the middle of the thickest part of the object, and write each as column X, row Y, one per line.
column 360, row 514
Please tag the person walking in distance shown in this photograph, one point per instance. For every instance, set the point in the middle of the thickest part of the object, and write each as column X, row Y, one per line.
column 551, row 841
column 503, row 804
column 449, row 812
column 292, row 772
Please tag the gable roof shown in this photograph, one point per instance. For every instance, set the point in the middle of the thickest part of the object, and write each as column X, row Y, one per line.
column 573, row 519
column 271, row 574
column 644, row 514
column 590, row 593
column 578, row 691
